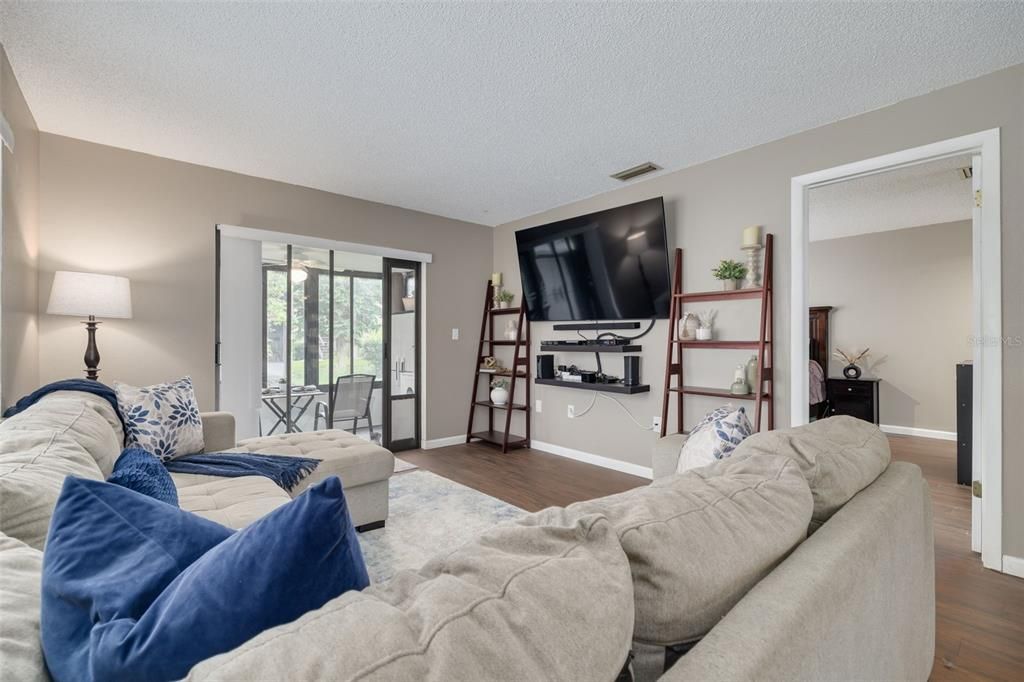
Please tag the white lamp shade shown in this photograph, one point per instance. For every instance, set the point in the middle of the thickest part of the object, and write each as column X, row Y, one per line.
column 83, row 293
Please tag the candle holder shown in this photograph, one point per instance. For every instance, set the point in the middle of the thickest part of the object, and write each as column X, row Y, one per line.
column 753, row 278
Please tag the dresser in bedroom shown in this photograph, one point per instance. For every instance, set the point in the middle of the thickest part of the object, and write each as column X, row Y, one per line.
column 855, row 397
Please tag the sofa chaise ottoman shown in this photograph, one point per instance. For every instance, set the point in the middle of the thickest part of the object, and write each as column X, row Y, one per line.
column 363, row 467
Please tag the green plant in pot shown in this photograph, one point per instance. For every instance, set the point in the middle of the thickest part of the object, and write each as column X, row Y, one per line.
column 505, row 298
column 730, row 272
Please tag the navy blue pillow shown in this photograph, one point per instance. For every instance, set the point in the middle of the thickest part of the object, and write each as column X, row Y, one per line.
column 138, row 590
column 143, row 472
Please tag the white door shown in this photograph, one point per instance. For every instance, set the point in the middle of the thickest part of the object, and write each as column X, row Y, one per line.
column 976, row 458
column 240, row 353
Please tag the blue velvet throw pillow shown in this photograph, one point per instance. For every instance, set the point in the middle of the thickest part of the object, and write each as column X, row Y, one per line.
column 134, row 589
column 141, row 471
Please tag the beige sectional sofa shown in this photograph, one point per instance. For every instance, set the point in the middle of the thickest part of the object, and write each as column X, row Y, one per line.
column 715, row 563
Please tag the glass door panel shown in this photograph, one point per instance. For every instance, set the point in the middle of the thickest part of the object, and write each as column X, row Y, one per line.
column 402, row 340
column 358, row 345
column 310, row 337
column 274, row 395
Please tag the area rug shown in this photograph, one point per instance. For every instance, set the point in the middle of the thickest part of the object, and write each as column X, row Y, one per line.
column 401, row 465
column 428, row 515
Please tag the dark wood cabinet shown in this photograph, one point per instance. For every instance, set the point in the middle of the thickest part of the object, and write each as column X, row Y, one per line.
column 964, row 421
column 854, row 397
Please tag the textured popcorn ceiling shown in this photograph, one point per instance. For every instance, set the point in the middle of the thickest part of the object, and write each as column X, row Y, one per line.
column 925, row 194
column 485, row 112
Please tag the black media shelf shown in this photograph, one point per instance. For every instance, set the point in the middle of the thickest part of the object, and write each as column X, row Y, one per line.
column 590, row 348
column 607, row 388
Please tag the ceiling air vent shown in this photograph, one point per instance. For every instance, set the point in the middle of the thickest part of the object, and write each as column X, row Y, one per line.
column 636, row 171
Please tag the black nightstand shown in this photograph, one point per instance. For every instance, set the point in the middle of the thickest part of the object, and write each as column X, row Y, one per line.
column 855, row 397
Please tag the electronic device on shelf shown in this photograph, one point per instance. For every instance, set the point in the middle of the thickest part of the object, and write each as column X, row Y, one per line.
column 571, row 342
column 546, row 366
column 631, row 370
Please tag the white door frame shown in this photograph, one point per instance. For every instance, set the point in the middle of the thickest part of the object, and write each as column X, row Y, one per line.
column 987, row 314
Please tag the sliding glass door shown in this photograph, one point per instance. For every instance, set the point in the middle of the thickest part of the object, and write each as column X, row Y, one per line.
column 401, row 353
column 303, row 341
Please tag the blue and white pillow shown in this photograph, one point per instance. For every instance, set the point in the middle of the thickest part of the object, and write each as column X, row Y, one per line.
column 162, row 419
column 715, row 414
column 142, row 472
column 714, row 438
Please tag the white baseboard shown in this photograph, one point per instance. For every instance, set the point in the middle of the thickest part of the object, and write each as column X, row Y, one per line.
column 913, row 431
column 597, row 460
column 1014, row 565
column 442, row 442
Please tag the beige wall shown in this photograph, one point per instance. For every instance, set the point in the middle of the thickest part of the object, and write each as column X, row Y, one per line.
column 708, row 205
column 906, row 295
column 152, row 219
column 19, row 354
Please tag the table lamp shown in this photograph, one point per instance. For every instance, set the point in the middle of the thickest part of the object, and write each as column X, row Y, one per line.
column 84, row 294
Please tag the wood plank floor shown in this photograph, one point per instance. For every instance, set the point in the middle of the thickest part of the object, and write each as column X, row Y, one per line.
column 979, row 620
column 979, row 613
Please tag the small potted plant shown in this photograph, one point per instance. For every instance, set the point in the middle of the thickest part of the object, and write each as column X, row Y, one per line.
column 505, row 298
column 731, row 273
column 499, row 391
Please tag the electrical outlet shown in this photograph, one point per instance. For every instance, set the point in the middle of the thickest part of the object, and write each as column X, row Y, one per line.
column 455, row 333
column 572, row 411
column 656, row 423
column 539, row 410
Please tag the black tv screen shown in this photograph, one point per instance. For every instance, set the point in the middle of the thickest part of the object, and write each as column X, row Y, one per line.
column 609, row 265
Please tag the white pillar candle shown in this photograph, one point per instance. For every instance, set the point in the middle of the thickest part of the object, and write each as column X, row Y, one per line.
column 752, row 236
column 496, row 279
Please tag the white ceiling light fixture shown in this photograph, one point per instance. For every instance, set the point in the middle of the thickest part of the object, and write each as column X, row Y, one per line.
column 299, row 273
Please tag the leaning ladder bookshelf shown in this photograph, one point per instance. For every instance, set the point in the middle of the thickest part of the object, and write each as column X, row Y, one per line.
column 519, row 371
column 763, row 345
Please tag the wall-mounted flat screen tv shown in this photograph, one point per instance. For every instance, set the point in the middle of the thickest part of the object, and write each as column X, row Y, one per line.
column 609, row 265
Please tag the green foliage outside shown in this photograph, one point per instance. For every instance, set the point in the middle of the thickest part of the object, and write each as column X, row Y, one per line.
column 367, row 334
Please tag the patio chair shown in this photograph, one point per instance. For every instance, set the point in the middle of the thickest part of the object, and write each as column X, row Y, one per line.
column 353, row 394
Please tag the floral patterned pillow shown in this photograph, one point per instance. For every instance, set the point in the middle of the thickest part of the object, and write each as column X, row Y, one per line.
column 162, row 419
column 715, row 438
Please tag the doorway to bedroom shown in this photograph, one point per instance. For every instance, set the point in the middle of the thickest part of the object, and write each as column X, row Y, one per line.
column 312, row 337
column 896, row 260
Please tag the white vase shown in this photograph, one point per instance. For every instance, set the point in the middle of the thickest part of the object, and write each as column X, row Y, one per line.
column 503, row 304
column 704, row 333
column 730, row 284
column 499, row 396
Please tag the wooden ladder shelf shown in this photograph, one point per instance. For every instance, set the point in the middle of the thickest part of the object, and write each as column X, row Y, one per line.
column 520, row 370
column 763, row 345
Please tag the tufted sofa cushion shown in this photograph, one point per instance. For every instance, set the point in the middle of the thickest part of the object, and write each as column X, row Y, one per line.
column 354, row 460
column 86, row 419
column 21, row 653
column 231, row 502
column 33, row 465
column 698, row 541
column 546, row 601
column 839, row 457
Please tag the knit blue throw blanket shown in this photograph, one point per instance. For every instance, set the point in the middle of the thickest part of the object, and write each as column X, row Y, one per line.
column 84, row 385
column 282, row 470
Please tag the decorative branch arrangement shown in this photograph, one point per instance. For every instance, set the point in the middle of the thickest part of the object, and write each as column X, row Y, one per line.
column 706, row 318
column 850, row 358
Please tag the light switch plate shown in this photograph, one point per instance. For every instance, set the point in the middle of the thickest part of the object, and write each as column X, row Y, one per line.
column 539, row 406
column 455, row 333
